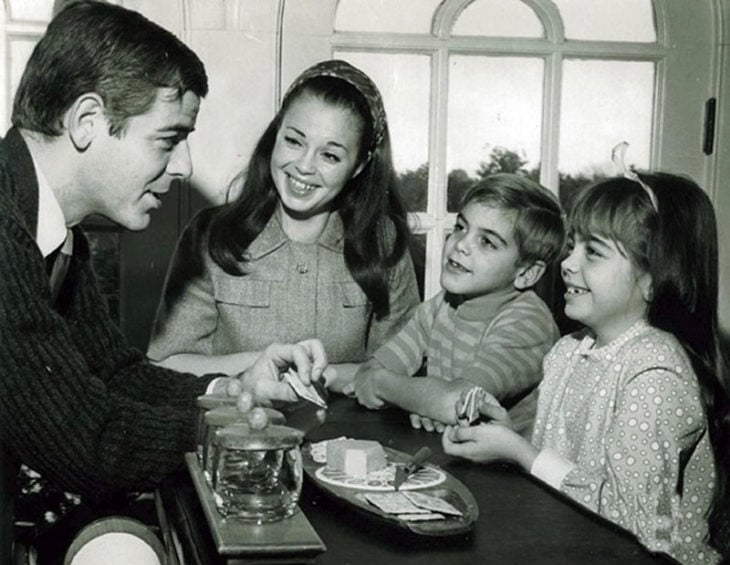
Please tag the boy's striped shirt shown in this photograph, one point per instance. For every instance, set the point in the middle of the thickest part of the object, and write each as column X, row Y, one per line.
column 496, row 341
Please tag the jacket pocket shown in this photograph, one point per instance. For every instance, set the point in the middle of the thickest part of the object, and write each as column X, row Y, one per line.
column 352, row 295
column 243, row 292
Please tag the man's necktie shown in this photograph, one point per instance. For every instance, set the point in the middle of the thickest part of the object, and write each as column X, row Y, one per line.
column 61, row 258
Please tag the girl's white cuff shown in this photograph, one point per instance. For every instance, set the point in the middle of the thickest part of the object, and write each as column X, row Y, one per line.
column 551, row 467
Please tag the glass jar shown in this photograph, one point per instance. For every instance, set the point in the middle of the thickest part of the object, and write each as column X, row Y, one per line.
column 214, row 420
column 204, row 403
column 258, row 472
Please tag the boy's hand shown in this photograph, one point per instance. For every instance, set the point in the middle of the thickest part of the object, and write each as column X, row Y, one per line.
column 419, row 422
column 364, row 388
column 363, row 385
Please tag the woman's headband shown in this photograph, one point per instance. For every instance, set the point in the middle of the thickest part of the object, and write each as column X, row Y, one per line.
column 345, row 71
column 618, row 156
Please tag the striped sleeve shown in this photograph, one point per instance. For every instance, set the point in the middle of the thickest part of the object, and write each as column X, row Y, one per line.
column 403, row 353
column 509, row 360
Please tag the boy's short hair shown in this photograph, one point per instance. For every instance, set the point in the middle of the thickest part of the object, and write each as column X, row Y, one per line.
column 539, row 228
column 93, row 46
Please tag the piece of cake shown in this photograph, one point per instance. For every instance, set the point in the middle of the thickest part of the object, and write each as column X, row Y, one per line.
column 355, row 457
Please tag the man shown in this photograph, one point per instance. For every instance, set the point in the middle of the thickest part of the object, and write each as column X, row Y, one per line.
column 100, row 126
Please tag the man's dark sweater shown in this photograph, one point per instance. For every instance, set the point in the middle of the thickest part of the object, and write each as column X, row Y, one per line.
column 76, row 403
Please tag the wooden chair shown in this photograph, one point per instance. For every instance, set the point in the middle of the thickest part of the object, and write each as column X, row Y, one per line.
column 116, row 540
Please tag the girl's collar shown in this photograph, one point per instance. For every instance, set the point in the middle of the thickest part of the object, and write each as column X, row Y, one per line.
column 587, row 347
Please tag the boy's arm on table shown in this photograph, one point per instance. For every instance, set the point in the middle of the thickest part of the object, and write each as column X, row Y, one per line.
column 434, row 398
column 340, row 376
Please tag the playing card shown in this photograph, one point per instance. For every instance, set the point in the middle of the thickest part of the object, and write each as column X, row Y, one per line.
column 469, row 412
column 467, row 408
column 464, row 411
column 472, row 412
column 477, row 399
column 303, row 391
column 433, row 503
column 394, row 503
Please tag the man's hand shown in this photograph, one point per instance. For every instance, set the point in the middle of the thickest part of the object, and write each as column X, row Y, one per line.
column 263, row 378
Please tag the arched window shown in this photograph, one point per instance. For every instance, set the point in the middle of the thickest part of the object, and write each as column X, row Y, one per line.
column 544, row 88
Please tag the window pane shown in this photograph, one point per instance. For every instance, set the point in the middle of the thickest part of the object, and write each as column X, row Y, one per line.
column 31, row 10
column 500, row 18
column 20, row 51
column 396, row 16
column 494, row 117
column 603, row 104
column 404, row 81
column 608, row 20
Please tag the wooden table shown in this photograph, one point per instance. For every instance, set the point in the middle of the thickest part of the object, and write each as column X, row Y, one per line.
column 520, row 520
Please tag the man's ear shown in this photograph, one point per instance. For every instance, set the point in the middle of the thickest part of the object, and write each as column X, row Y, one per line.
column 84, row 120
column 528, row 275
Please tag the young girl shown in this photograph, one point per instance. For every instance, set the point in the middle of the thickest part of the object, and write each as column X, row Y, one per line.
column 632, row 418
column 314, row 246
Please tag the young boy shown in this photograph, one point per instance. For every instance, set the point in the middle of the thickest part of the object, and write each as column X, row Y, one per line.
column 486, row 327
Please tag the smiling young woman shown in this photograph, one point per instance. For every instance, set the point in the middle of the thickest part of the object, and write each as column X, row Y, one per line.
column 314, row 245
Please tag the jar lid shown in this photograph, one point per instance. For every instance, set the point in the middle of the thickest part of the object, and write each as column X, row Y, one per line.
column 210, row 401
column 242, row 436
column 225, row 415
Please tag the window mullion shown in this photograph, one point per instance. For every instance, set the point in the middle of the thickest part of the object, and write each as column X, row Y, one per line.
column 550, row 134
column 437, row 173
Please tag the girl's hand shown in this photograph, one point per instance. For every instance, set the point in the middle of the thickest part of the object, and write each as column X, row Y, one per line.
column 430, row 425
column 494, row 412
column 487, row 443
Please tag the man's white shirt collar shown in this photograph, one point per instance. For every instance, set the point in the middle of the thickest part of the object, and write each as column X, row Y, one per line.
column 51, row 231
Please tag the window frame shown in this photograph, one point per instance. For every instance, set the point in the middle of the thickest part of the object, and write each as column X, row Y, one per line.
column 553, row 48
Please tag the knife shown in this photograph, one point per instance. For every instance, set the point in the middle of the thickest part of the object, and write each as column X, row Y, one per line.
column 402, row 472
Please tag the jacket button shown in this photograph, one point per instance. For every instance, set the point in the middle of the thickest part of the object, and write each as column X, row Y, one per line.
column 302, row 268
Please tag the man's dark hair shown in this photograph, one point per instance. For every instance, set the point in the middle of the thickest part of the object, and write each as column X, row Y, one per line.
column 92, row 46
